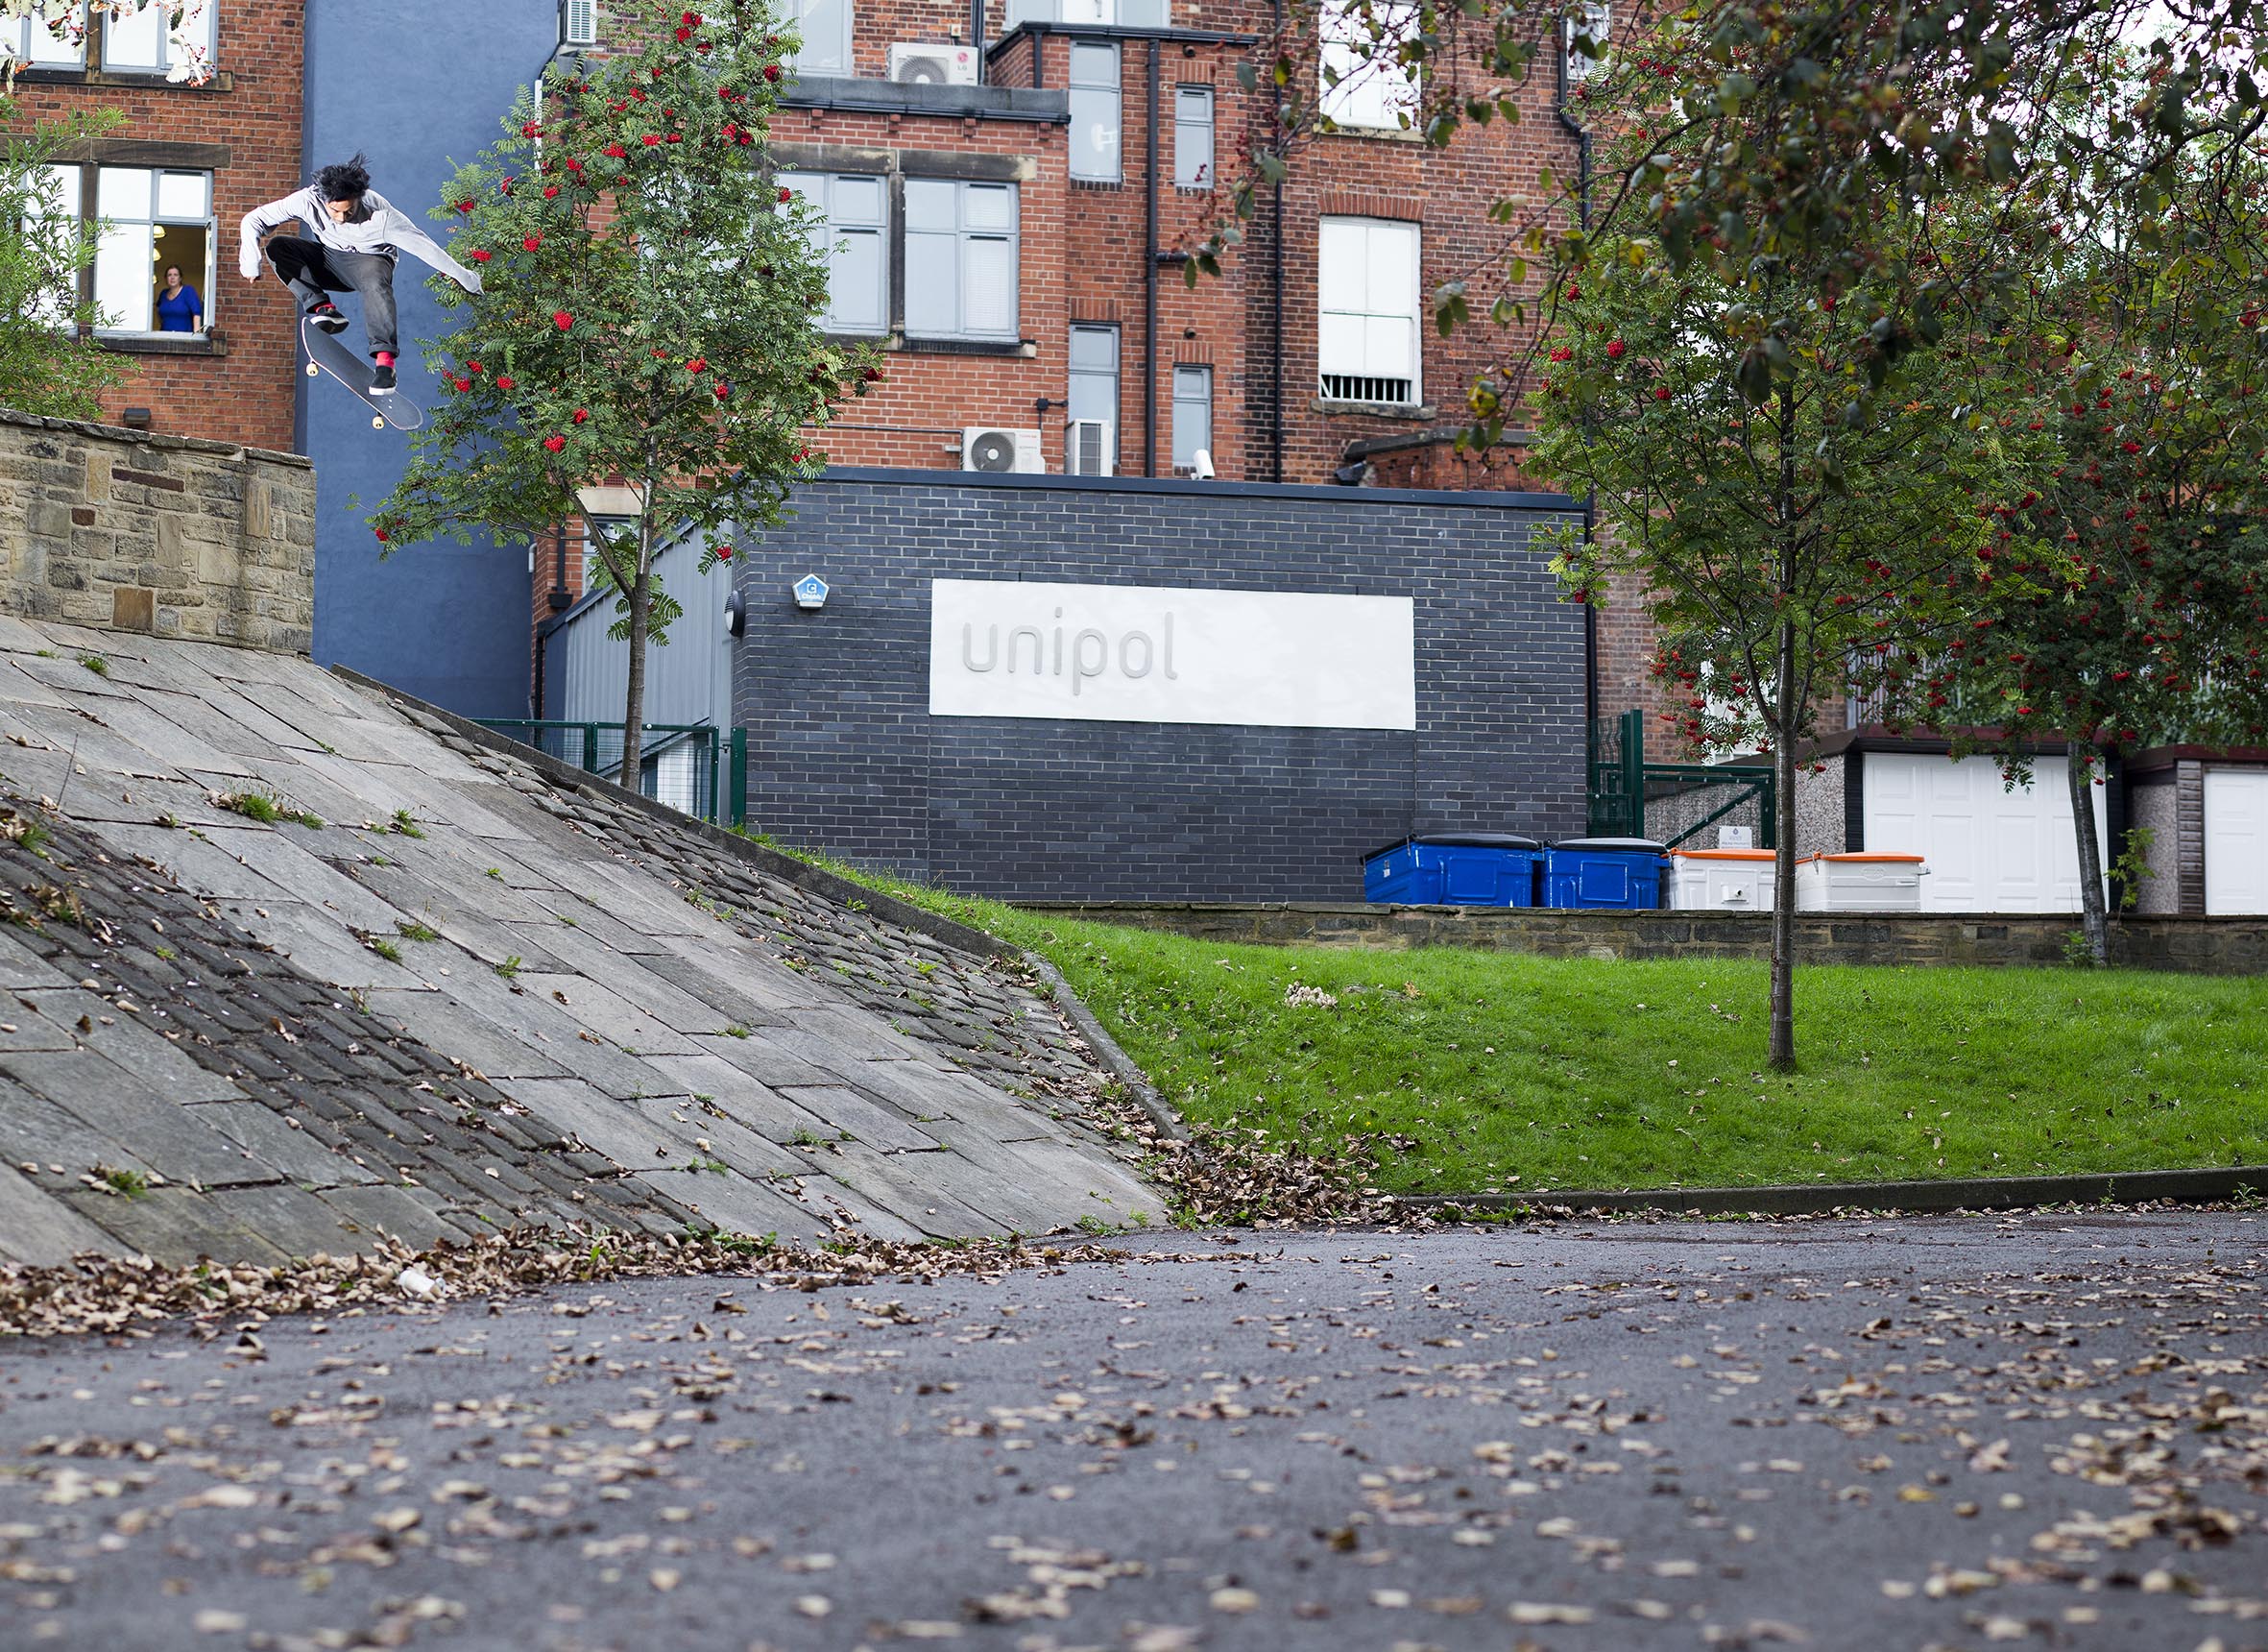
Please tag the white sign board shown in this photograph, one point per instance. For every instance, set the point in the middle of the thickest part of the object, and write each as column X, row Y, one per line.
column 1163, row 654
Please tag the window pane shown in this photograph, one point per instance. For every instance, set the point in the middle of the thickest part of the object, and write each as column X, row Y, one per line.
column 855, row 201
column 808, row 184
column 1385, row 348
column 1342, row 266
column 180, row 195
column 933, row 278
column 1193, row 414
column 124, row 193
column 1373, row 89
column 1341, row 347
column 1094, row 349
column 856, row 283
column 124, row 270
column 826, row 28
column 1392, row 269
column 63, row 191
column 988, row 303
column 929, row 204
column 1095, row 135
column 198, row 25
column 42, row 46
column 988, row 207
column 1193, row 137
column 1094, row 66
column 134, row 42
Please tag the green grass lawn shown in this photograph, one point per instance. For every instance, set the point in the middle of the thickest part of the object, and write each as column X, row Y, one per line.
column 1527, row 1074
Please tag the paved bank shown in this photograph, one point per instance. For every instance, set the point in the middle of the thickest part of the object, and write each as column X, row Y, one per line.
column 1939, row 1432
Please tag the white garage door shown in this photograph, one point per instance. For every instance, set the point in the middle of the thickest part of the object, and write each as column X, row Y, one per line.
column 2237, row 841
column 1988, row 849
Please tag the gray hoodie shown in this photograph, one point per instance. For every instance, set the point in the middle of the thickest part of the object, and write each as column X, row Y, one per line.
column 386, row 232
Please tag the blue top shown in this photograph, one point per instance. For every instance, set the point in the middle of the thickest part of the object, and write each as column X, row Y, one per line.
column 179, row 312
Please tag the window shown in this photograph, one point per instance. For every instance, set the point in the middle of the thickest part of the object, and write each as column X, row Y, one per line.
column 151, row 219
column 1094, row 384
column 1193, row 415
column 1587, row 28
column 142, row 43
column 1193, row 137
column 1095, row 111
column 1367, row 292
column 825, row 29
column 1364, row 84
column 961, row 259
column 54, row 211
column 30, row 41
column 1127, row 14
column 857, row 230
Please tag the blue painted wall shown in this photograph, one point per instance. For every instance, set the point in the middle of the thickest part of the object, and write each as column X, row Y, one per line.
column 416, row 85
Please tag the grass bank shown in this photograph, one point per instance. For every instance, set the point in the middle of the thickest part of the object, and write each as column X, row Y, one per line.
column 1527, row 1074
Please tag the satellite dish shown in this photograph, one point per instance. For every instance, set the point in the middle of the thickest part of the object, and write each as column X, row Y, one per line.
column 994, row 451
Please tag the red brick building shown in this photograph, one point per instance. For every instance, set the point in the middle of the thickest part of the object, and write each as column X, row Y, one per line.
column 171, row 180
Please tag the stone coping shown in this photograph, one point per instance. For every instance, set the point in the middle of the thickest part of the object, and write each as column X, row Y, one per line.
column 153, row 439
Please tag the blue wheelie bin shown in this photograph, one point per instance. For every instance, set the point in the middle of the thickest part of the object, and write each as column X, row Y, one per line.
column 1603, row 872
column 1454, row 870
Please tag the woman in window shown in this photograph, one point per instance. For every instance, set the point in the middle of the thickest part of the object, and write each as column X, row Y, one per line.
column 178, row 307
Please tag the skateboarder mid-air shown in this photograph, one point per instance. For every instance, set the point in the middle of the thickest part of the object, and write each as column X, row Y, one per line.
column 356, row 234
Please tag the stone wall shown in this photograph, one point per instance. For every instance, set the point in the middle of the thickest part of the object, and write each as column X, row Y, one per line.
column 2195, row 945
column 120, row 530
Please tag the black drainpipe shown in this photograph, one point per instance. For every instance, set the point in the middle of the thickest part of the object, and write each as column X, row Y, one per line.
column 1590, row 504
column 1149, row 282
column 976, row 34
column 1277, row 321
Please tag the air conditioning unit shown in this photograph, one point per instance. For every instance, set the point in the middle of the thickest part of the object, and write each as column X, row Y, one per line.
column 1086, row 448
column 578, row 22
column 984, row 449
column 946, row 65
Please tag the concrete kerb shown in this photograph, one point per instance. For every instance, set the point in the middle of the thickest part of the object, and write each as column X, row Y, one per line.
column 961, row 937
column 1968, row 1193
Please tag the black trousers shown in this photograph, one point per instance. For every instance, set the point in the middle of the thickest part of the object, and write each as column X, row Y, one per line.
column 311, row 269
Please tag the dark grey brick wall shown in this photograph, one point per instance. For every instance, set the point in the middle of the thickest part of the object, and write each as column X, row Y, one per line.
column 843, row 755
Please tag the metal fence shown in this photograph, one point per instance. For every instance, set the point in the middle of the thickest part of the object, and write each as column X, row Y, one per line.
column 693, row 768
column 1671, row 803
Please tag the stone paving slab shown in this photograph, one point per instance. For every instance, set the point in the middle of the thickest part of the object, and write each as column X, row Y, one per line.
column 565, row 1049
column 40, row 1230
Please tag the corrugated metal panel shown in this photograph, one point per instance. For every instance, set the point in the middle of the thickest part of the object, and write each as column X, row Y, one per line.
column 689, row 680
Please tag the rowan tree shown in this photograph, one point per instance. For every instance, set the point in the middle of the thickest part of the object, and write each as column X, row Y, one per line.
column 647, row 313
column 50, row 363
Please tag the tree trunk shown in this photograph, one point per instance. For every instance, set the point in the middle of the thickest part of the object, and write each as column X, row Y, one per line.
column 1783, row 761
column 2094, row 917
column 642, row 606
column 1783, row 863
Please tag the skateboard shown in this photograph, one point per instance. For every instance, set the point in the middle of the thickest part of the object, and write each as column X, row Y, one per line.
column 327, row 355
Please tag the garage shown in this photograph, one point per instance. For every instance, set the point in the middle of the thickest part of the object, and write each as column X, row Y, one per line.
column 2235, row 842
column 1988, row 849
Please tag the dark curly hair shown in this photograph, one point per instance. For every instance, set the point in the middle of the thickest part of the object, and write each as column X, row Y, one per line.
column 346, row 181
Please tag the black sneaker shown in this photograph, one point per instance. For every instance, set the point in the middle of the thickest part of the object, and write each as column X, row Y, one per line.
column 381, row 382
column 327, row 316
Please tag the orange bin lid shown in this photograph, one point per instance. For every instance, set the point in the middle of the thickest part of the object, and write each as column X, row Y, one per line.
column 1720, row 854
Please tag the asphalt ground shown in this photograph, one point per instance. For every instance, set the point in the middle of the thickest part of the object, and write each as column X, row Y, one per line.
column 2045, row 1431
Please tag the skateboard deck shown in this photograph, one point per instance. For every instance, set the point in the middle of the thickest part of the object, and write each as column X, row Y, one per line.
column 327, row 355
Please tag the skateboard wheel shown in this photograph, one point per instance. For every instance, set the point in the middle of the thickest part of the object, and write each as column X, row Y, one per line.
column 313, row 370
column 378, row 422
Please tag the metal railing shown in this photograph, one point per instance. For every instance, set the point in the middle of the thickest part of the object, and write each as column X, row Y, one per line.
column 696, row 768
column 1677, row 800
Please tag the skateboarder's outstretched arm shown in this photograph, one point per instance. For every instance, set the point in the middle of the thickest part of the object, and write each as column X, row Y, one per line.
column 395, row 228
column 304, row 204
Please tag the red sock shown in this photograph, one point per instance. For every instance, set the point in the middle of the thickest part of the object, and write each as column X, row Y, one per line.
column 384, row 357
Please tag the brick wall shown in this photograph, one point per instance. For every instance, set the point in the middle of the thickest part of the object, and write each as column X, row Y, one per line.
column 237, row 384
column 203, row 541
column 843, row 754
column 2192, row 945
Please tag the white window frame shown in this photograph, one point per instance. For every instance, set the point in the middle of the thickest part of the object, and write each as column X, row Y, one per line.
column 1096, row 109
column 1193, row 137
column 969, row 230
column 1372, row 93
column 1193, row 389
column 113, row 230
column 1074, row 373
column 34, row 47
column 1368, row 289
column 1595, row 22
column 824, row 190
column 835, row 59
column 152, row 20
